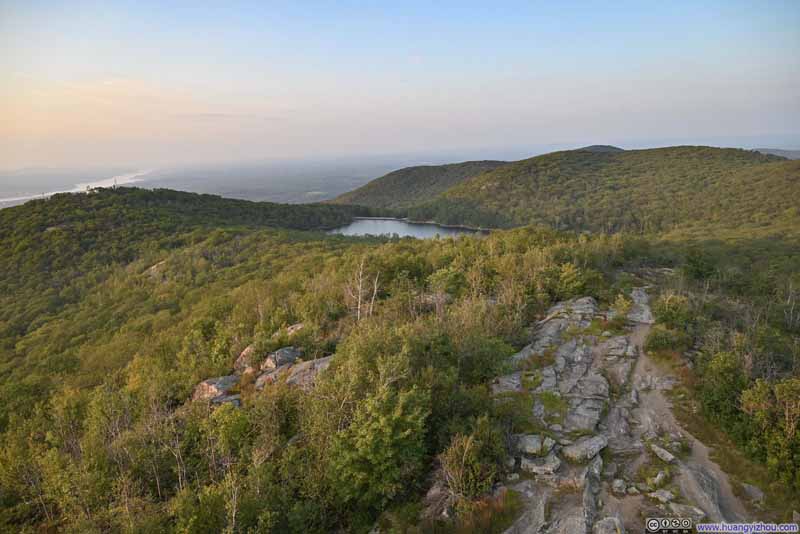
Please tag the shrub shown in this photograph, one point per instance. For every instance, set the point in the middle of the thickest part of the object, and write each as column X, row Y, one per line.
column 662, row 338
column 673, row 310
column 467, row 475
column 622, row 305
column 382, row 451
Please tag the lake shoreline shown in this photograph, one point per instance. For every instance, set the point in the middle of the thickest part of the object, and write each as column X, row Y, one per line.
column 402, row 227
column 476, row 229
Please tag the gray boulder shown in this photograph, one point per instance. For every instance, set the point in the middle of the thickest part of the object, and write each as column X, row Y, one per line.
column 541, row 466
column 533, row 444
column 528, row 443
column 212, row 388
column 282, row 356
column 235, row 400
column 753, row 493
column 438, row 500
column 663, row 454
column 271, row 376
column 244, row 363
column 304, row 374
column 585, row 448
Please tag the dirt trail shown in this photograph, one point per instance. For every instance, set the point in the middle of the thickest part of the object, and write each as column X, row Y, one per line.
column 701, row 481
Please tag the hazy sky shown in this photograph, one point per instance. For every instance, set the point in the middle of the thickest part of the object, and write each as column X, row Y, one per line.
column 152, row 83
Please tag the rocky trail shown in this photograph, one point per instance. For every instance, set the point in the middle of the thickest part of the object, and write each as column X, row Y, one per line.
column 604, row 450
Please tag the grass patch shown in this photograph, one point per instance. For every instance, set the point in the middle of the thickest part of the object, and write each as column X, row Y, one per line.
column 531, row 380
column 555, row 407
column 648, row 471
column 570, row 333
column 615, row 326
column 515, row 409
column 536, row 362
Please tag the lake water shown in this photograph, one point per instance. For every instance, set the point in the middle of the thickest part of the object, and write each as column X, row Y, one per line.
column 377, row 226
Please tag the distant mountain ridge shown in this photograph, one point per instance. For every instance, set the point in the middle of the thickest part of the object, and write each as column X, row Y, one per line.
column 406, row 187
column 643, row 190
column 605, row 188
column 601, row 148
column 788, row 154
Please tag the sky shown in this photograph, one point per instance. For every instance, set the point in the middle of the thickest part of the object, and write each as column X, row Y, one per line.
column 161, row 83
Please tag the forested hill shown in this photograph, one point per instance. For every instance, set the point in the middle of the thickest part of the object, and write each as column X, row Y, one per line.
column 684, row 189
column 412, row 185
column 145, row 338
column 54, row 247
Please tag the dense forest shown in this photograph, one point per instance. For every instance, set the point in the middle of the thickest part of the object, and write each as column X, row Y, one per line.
column 115, row 305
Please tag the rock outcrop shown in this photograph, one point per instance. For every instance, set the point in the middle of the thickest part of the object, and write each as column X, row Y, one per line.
column 533, row 444
column 216, row 390
column 585, row 448
column 282, row 356
column 541, row 466
column 244, row 363
column 305, row 373
column 282, row 364
column 588, row 395
column 301, row 374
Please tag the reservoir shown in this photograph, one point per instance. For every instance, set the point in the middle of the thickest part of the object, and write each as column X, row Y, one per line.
column 401, row 227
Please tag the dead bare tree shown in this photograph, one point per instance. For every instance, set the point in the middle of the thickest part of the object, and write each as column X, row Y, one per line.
column 791, row 313
column 358, row 292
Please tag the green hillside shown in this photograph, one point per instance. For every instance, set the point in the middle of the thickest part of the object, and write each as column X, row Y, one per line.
column 412, row 185
column 654, row 190
column 115, row 305
column 55, row 248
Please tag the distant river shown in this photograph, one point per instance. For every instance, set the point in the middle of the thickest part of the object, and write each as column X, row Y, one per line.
column 121, row 179
column 385, row 226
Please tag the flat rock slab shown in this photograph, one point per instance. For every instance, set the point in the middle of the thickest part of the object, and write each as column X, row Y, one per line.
column 541, row 466
column 585, row 448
